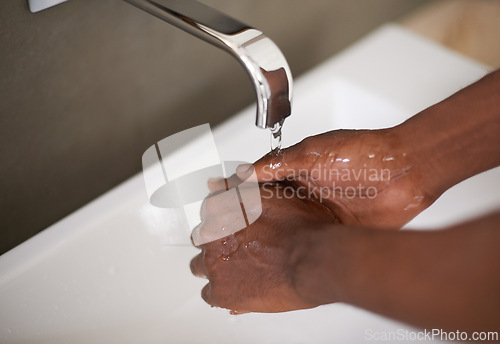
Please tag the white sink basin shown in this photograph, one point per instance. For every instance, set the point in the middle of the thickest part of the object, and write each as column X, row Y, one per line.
column 105, row 275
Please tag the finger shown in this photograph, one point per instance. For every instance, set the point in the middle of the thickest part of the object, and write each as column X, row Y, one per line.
column 224, row 184
column 205, row 233
column 198, row 266
column 218, row 228
column 204, row 212
column 206, row 294
column 222, row 215
column 196, row 237
column 276, row 167
column 216, row 184
column 233, row 181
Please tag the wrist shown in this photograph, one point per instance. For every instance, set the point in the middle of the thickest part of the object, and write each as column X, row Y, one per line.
column 423, row 147
column 323, row 270
column 456, row 138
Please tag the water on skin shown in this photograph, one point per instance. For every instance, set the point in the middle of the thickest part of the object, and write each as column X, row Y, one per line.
column 229, row 247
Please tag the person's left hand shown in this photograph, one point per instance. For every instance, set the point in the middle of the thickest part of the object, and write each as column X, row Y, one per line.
column 264, row 267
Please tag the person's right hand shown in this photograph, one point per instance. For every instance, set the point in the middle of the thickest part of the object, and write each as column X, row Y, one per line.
column 365, row 177
column 272, row 264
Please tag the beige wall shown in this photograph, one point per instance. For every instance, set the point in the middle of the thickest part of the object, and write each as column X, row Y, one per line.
column 87, row 86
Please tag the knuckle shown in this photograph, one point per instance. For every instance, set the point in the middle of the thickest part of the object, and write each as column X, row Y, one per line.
column 207, row 233
column 206, row 294
column 197, row 266
column 307, row 142
column 210, row 203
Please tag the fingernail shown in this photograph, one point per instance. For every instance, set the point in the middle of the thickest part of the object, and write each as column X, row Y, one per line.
column 215, row 184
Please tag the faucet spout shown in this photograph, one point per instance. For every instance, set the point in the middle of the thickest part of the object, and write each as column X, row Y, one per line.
column 261, row 58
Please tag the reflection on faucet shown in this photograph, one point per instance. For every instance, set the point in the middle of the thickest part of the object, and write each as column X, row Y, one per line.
column 279, row 102
column 261, row 58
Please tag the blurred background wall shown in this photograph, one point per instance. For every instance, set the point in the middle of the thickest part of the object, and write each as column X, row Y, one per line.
column 87, row 86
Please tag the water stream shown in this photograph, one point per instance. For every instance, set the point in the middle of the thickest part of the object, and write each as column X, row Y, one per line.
column 276, row 136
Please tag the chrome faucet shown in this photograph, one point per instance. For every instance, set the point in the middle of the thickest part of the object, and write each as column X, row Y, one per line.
column 261, row 58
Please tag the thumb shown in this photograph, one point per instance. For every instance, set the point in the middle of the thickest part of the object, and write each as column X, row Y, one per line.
column 274, row 166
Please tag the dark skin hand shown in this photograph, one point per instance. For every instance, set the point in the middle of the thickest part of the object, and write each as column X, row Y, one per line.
column 293, row 257
column 318, row 251
column 414, row 162
column 365, row 177
column 260, row 260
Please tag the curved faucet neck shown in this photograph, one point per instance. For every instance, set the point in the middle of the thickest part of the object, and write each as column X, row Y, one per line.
column 261, row 57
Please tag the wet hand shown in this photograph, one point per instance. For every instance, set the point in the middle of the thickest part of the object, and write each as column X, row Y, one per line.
column 260, row 268
column 365, row 177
